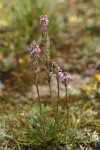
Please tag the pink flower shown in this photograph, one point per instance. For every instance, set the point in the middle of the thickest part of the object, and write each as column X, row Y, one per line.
column 56, row 71
column 52, row 74
column 64, row 78
column 44, row 22
column 34, row 50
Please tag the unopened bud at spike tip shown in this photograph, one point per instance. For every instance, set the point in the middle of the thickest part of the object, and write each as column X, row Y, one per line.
column 44, row 22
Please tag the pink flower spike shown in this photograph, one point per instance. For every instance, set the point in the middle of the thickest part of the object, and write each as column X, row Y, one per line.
column 44, row 22
column 34, row 50
column 64, row 78
column 52, row 74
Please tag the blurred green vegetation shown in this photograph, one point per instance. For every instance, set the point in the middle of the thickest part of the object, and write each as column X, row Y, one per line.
column 74, row 26
column 20, row 22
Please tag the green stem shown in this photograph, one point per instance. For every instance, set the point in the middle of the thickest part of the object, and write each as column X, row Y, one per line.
column 57, row 106
column 67, row 106
column 49, row 82
column 49, row 78
column 36, row 83
column 42, row 118
column 56, row 116
column 58, row 98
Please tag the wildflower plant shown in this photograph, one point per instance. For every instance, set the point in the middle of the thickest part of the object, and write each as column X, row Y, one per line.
column 62, row 129
column 41, row 55
column 43, row 130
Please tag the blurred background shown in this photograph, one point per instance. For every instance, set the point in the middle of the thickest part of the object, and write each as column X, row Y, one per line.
column 75, row 42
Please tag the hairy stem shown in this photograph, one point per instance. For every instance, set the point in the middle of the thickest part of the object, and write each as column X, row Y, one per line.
column 37, row 88
column 49, row 82
column 57, row 105
column 49, row 78
column 58, row 98
column 42, row 117
column 67, row 106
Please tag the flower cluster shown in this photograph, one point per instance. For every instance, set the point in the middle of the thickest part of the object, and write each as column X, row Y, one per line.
column 44, row 22
column 34, row 50
column 63, row 76
column 55, row 69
